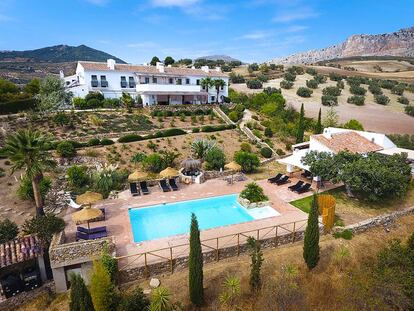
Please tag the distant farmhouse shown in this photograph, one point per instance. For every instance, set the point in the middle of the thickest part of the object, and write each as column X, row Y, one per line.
column 164, row 85
column 334, row 140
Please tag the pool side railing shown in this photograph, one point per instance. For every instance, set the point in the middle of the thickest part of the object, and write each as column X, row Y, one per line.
column 175, row 257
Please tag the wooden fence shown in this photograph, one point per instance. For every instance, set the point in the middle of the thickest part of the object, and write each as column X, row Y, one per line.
column 236, row 242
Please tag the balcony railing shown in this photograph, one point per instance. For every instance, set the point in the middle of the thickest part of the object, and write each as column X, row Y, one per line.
column 167, row 88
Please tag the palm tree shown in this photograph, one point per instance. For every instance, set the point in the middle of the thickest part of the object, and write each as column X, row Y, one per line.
column 218, row 83
column 28, row 150
column 206, row 83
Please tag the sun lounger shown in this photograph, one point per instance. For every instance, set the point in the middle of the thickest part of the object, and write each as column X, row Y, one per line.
column 274, row 179
column 164, row 186
column 306, row 187
column 296, row 186
column 282, row 180
column 93, row 236
column 173, row 185
column 91, row 230
column 134, row 189
column 144, row 187
column 306, row 174
column 74, row 205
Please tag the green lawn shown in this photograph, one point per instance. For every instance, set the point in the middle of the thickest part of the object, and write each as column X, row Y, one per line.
column 350, row 210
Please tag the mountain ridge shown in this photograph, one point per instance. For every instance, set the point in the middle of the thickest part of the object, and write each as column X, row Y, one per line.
column 215, row 57
column 57, row 54
column 399, row 43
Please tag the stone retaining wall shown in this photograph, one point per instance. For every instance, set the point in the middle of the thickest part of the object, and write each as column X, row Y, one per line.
column 180, row 263
column 382, row 220
column 18, row 300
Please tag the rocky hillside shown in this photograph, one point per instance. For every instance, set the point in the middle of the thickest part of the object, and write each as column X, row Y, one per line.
column 226, row 58
column 400, row 43
column 57, row 54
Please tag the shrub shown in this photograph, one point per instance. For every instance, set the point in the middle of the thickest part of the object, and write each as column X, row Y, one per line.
column 320, row 78
column 335, row 76
column 284, row 84
column 77, row 176
column 79, row 103
column 329, row 100
column 340, row 84
column 398, row 89
column 94, row 142
column 107, row 142
column 195, row 264
column 102, row 289
column 216, row 128
column 215, row 159
column 130, row 138
column 254, row 84
column 93, row 104
column 409, row 110
column 248, row 161
column 138, row 157
column 246, row 147
column 256, row 256
column 234, row 116
column 345, row 234
column 289, row 76
column 313, row 84
column 61, row 118
column 356, row 100
column 266, row 152
column 94, row 95
column 195, row 130
column 254, row 193
column 66, row 149
column 387, row 84
column 262, row 78
column 111, row 103
column 381, row 99
column 311, row 71
column 353, row 125
column 134, row 301
column 268, row 132
column 153, row 163
column 271, row 90
column 8, row 230
column 331, row 91
column 280, row 152
column 19, row 105
column 80, row 298
column 375, row 89
column 357, row 90
column 25, row 190
column 44, row 226
column 403, row 100
column 110, row 263
column 304, row 92
column 236, row 78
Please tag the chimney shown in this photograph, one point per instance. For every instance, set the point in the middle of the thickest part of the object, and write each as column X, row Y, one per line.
column 111, row 64
column 218, row 69
column 160, row 67
column 327, row 133
column 61, row 74
column 205, row 69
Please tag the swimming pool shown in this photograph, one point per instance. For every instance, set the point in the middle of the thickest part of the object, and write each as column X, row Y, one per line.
column 163, row 220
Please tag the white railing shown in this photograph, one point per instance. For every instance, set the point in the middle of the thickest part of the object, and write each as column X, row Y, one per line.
column 167, row 88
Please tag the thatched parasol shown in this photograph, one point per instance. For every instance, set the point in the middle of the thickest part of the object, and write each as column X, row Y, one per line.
column 89, row 198
column 191, row 164
column 233, row 166
column 169, row 172
column 86, row 214
column 137, row 175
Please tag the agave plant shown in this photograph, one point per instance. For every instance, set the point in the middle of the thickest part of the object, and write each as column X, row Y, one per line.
column 232, row 289
column 200, row 147
column 160, row 300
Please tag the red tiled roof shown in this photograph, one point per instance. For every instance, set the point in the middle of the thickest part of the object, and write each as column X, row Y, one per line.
column 350, row 141
column 19, row 250
column 153, row 70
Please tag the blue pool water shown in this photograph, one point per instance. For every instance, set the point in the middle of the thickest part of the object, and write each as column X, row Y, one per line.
column 164, row 220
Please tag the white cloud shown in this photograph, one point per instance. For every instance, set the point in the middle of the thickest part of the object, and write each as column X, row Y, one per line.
column 173, row 3
column 294, row 15
column 255, row 35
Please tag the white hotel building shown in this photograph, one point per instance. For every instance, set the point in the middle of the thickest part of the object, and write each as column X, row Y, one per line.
column 158, row 84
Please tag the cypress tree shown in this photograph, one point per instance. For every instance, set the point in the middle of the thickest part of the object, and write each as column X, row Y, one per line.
column 195, row 264
column 80, row 298
column 311, row 241
column 318, row 127
column 256, row 256
column 301, row 126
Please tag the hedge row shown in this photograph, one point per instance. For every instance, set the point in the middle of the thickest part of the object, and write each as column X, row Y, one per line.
column 176, row 113
column 89, row 143
column 166, row 133
column 17, row 106
column 214, row 128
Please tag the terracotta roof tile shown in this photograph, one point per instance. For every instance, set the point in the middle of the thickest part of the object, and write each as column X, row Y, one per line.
column 350, row 141
column 152, row 69
column 19, row 250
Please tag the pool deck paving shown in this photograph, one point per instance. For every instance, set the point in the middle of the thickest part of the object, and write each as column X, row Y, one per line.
column 118, row 222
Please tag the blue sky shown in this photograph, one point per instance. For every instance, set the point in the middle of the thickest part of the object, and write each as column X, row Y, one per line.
column 251, row 30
